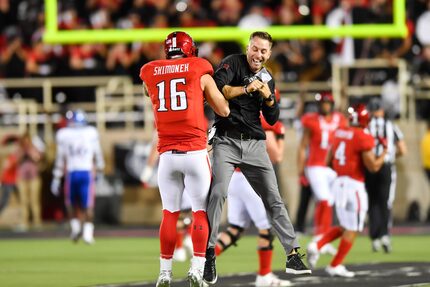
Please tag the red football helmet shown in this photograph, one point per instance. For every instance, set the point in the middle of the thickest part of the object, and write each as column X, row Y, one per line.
column 324, row 97
column 359, row 115
column 179, row 44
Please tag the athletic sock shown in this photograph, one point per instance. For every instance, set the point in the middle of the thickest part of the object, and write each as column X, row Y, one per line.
column 327, row 217
column 265, row 261
column 179, row 238
column 198, row 262
column 332, row 234
column 323, row 217
column 75, row 226
column 166, row 264
column 200, row 233
column 218, row 250
column 88, row 232
column 168, row 233
column 317, row 218
column 342, row 251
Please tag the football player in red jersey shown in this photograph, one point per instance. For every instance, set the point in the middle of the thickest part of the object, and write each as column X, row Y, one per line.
column 351, row 152
column 318, row 128
column 178, row 87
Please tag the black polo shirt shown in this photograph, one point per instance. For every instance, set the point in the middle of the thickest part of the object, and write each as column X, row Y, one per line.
column 245, row 109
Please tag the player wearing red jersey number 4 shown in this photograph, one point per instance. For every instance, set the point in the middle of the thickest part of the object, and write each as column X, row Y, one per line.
column 316, row 141
column 178, row 87
column 350, row 154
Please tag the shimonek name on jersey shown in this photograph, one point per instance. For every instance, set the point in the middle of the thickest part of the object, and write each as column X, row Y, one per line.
column 181, row 68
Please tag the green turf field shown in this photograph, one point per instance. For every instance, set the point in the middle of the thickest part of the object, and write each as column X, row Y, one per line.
column 59, row 262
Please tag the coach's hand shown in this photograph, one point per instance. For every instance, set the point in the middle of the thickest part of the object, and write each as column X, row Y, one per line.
column 253, row 86
column 55, row 186
column 264, row 90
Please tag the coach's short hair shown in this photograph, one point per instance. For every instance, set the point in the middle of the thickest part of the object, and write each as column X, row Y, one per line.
column 262, row 35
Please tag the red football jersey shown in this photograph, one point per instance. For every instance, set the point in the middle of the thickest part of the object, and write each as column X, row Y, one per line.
column 177, row 101
column 9, row 173
column 278, row 128
column 321, row 135
column 348, row 144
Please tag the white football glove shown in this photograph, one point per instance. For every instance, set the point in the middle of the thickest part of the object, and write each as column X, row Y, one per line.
column 146, row 174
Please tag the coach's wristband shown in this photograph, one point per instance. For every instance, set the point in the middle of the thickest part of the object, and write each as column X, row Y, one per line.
column 270, row 98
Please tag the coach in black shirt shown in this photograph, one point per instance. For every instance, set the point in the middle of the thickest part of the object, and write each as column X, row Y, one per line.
column 248, row 92
column 240, row 142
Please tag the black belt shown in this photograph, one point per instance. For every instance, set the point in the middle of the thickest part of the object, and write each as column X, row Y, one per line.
column 175, row 151
column 237, row 135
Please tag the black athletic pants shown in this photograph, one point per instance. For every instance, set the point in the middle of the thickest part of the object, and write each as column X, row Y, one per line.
column 378, row 190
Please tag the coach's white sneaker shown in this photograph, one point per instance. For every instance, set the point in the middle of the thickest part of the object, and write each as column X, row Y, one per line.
column 270, row 280
column 164, row 279
column 340, row 271
column 180, row 255
column 312, row 255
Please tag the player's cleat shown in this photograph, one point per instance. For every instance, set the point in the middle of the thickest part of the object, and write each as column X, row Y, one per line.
column 75, row 237
column 209, row 274
column 164, row 279
column 89, row 241
column 313, row 255
column 376, row 245
column 180, row 255
column 270, row 280
column 328, row 249
column 195, row 277
column 386, row 243
column 339, row 271
column 295, row 265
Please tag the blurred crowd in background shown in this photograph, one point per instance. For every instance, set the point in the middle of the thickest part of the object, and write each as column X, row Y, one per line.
column 23, row 53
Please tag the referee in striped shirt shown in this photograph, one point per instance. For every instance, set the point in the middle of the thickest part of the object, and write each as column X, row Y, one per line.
column 381, row 185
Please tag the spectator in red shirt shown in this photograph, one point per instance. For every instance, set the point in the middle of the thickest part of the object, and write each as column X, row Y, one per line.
column 9, row 168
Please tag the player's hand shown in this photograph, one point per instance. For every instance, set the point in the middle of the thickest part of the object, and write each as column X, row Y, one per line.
column 146, row 175
column 303, row 180
column 55, row 186
column 383, row 142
